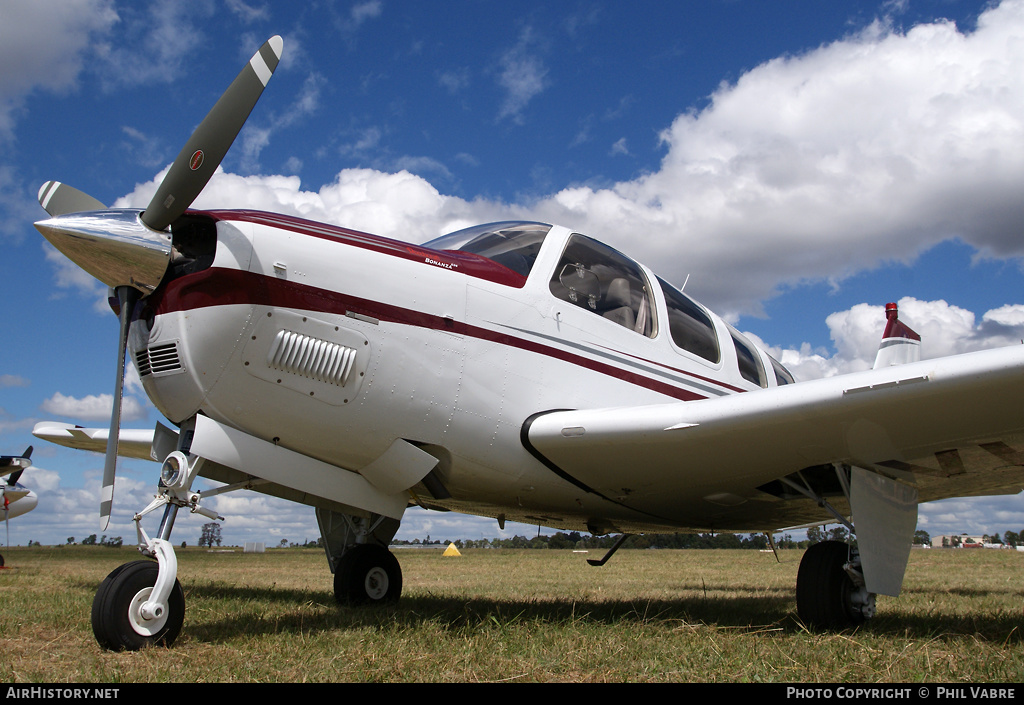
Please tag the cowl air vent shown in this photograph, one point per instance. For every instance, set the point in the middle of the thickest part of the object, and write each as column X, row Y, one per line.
column 311, row 357
column 158, row 359
column 323, row 361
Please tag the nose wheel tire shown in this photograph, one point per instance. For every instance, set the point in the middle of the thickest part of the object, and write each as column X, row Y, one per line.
column 367, row 574
column 118, row 622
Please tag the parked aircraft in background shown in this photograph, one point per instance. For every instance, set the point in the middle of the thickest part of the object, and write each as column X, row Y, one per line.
column 16, row 499
column 515, row 370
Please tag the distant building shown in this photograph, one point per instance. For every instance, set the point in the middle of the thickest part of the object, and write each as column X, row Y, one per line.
column 963, row 541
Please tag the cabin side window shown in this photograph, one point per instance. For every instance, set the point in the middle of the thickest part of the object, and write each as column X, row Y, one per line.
column 751, row 368
column 602, row 280
column 782, row 375
column 691, row 328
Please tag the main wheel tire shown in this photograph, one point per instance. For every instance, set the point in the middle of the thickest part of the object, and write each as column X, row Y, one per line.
column 824, row 590
column 367, row 574
column 117, row 621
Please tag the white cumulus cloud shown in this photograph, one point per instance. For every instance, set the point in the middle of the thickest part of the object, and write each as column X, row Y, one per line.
column 94, row 407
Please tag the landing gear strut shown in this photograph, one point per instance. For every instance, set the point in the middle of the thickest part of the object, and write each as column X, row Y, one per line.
column 141, row 603
column 837, row 583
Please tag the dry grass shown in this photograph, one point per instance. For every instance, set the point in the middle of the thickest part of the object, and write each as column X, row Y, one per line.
column 503, row 615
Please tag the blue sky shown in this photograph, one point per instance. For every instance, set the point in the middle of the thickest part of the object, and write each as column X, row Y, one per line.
column 802, row 163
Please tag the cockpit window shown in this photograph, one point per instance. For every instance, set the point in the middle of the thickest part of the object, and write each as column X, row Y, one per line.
column 600, row 279
column 691, row 328
column 513, row 244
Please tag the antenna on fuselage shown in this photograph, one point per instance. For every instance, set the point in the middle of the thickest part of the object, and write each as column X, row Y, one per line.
column 684, row 283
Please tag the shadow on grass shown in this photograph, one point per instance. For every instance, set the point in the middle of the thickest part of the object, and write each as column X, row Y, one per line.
column 770, row 611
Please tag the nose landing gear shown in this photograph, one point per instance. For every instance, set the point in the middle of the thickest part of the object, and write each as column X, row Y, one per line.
column 123, row 616
column 141, row 603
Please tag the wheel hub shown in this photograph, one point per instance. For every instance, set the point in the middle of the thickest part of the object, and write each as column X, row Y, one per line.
column 376, row 583
column 137, row 614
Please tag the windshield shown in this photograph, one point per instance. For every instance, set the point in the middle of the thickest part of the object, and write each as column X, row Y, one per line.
column 513, row 244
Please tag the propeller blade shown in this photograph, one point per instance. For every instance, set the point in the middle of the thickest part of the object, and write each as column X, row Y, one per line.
column 207, row 146
column 127, row 297
column 60, row 199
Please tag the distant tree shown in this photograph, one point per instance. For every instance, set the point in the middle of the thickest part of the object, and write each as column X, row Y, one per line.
column 755, row 541
column 1011, row 538
column 210, row 535
column 815, row 534
column 921, row 538
column 71, row 540
column 838, row 533
column 90, row 541
column 561, row 540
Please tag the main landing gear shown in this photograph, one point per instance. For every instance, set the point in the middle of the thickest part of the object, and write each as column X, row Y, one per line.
column 837, row 583
column 830, row 590
column 367, row 574
column 365, row 571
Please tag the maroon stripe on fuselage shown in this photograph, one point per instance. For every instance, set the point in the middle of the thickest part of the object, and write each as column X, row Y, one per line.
column 468, row 263
column 716, row 382
column 224, row 287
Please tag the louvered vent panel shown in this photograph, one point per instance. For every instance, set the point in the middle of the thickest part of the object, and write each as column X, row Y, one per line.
column 157, row 359
column 311, row 357
column 142, row 362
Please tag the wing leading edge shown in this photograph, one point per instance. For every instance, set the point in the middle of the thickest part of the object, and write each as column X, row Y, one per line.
column 949, row 427
column 132, row 443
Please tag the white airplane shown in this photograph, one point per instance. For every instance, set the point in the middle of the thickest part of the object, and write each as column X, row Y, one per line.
column 515, row 370
column 15, row 499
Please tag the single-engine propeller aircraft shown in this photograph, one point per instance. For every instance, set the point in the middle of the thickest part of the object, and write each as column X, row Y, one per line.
column 16, row 499
column 515, row 370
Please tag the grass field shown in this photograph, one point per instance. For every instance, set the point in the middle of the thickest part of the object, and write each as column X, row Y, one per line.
column 530, row 615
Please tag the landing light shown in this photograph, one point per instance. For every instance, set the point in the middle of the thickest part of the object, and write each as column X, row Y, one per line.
column 174, row 471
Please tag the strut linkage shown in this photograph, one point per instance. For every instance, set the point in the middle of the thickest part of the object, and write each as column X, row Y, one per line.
column 843, row 474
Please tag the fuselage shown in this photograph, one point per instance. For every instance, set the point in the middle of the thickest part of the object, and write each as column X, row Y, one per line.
column 335, row 343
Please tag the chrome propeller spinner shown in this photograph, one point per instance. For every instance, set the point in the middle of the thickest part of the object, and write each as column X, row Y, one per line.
column 129, row 250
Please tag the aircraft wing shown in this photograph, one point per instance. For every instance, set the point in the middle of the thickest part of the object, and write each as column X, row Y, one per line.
column 132, row 443
column 950, row 427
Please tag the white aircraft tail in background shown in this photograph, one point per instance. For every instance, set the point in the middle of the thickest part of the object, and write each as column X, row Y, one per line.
column 900, row 344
